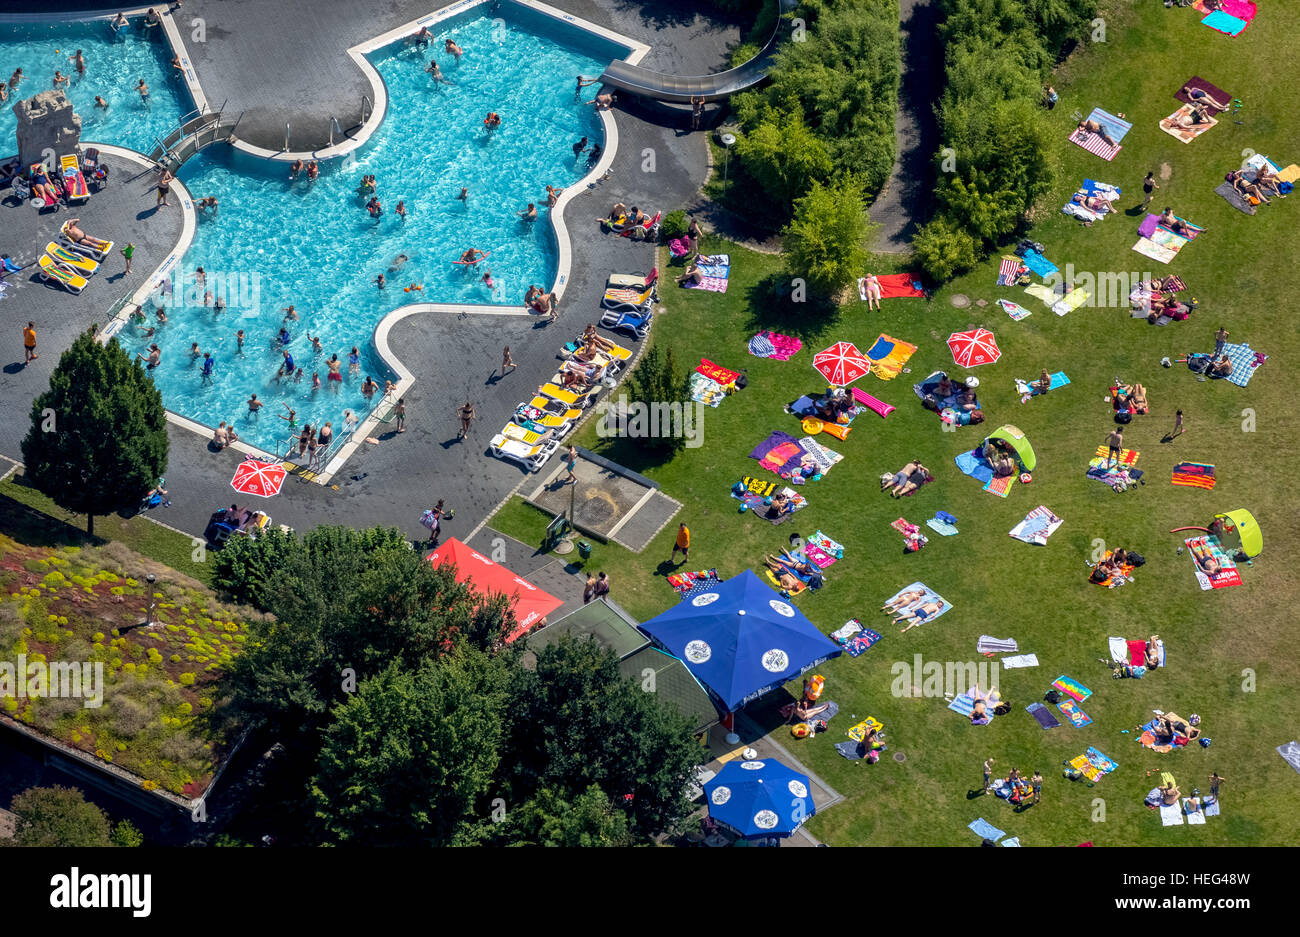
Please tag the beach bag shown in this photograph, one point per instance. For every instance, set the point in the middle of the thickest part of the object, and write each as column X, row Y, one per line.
column 1052, row 696
column 1001, row 709
column 1123, row 416
column 743, row 381
column 1137, row 559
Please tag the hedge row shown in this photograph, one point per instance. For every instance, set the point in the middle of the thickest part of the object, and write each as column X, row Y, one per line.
column 828, row 110
column 998, row 142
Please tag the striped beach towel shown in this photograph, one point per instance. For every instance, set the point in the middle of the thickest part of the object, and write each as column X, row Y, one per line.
column 1014, row 310
column 1244, row 362
column 1194, row 475
column 1009, row 271
column 1000, row 486
column 1126, row 456
column 1095, row 144
column 1072, row 688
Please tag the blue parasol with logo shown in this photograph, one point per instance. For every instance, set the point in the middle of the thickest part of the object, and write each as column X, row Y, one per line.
column 759, row 798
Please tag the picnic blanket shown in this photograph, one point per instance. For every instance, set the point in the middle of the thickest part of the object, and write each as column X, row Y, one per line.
column 985, row 830
column 1194, row 475
column 716, row 372
column 888, row 355
column 1070, row 709
column 774, row 345
column 685, row 581
column 1226, row 576
column 706, row 391
column 1229, row 194
column 1028, row 389
column 709, row 285
column 1072, row 688
column 1178, row 125
column 1038, row 525
column 1000, row 486
column 777, row 451
column 894, row 285
column 1043, row 716
column 1093, row 143
column 1014, row 310
column 1244, row 362
column 1011, row 270
column 1224, row 22
column 1196, row 81
column 1019, row 661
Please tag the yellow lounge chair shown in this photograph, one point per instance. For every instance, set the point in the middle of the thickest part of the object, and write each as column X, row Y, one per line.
column 83, row 265
column 524, row 435
column 567, row 397
column 549, row 421
column 543, row 403
column 96, row 248
column 65, row 276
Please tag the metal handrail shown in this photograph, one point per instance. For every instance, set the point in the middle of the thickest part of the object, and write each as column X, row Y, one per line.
column 367, row 106
column 286, row 138
column 334, row 124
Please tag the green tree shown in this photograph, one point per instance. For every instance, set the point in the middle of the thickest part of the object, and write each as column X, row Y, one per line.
column 98, row 439
column 826, row 242
column 577, row 722
column 125, row 834
column 657, row 382
column 943, row 248
column 549, row 819
column 408, row 757
column 58, row 816
column 783, row 158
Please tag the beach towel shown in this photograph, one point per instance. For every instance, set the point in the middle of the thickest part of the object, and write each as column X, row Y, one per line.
column 1072, row 688
column 1137, row 653
column 1196, row 81
column 709, row 285
column 1149, row 248
column 943, row 528
column 1224, row 22
column 1055, row 381
column 1119, row 478
column 1039, row 264
column 1227, row 575
column 823, row 459
column 1210, row 805
column 894, row 285
column 826, row 715
column 1019, row 661
column 1234, row 198
column 989, row 644
column 761, row 347
column 817, row 556
column 759, row 509
column 1070, row 301
column 778, row 450
column 1177, row 126
column 1014, row 310
column 1038, row 525
column 1093, row 764
column 827, row 545
column 1244, row 362
column 1118, row 648
column 1083, row 214
column 859, row 731
column 1000, row 486
column 1043, row 716
column 1290, row 753
column 846, row 631
column 985, row 830
column 888, row 355
column 971, row 464
column 853, row 751
column 1195, row 817
column 1044, row 293
column 1171, row 814
column 1093, row 143
column 1013, row 841
column 774, row 345
column 717, row 266
column 861, row 642
column 717, row 372
column 1070, row 709
column 686, row 582
column 1194, row 475
column 759, row 486
column 1011, row 269
column 1126, row 456
column 706, row 391
column 1290, row 174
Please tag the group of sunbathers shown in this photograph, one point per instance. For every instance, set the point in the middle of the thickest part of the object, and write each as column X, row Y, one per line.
column 912, row 477
column 1001, row 457
column 913, row 606
column 1159, row 298
column 542, row 302
column 790, row 569
column 1258, row 190
column 1112, row 566
column 1203, row 107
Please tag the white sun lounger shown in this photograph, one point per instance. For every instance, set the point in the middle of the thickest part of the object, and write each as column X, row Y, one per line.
column 531, row 457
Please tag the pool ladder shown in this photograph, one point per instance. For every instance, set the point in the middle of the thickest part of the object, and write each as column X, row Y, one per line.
column 286, row 138
column 334, row 125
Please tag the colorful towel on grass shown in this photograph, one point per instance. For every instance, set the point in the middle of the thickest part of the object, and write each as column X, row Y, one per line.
column 1046, row 294
column 684, row 583
column 987, row 644
column 1227, row 574
column 1290, row 174
column 1039, row 264
column 861, row 642
column 758, row 508
column 941, row 526
column 776, row 451
column 985, row 830
column 1072, row 688
column 1244, row 362
column 717, row 266
column 1149, row 248
column 926, row 597
column 1093, row 143
column 1126, row 456
column 1070, row 709
column 717, row 372
column 1196, row 81
column 706, row 391
column 821, row 458
column 774, row 345
column 1031, row 389
column 1011, row 270
column 1014, row 310
column 964, row 704
column 1070, row 301
column 709, row 285
column 968, row 463
column 888, row 355
column 894, row 286
column 758, row 486
column 1178, row 125
column 1038, row 525
column 826, row 546
column 1224, row 22
column 1194, row 475
column 1000, row 486
column 1093, row 764
column 859, row 731
column 1043, row 716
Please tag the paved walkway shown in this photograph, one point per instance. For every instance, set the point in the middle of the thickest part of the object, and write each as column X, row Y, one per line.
column 906, row 196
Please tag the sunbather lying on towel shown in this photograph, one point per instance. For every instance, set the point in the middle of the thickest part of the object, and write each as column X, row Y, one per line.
column 1175, row 224
column 913, row 476
column 1153, row 651
column 919, row 614
column 1181, row 730
column 902, row 600
column 1244, row 186
column 1092, row 202
column 786, row 579
column 1099, row 129
column 1204, row 98
column 898, row 479
column 979, row 713
column 693, row 276
column 1169, row 794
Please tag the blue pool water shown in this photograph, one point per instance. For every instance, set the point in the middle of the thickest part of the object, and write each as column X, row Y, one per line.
column 313, row 245
column 114, row 64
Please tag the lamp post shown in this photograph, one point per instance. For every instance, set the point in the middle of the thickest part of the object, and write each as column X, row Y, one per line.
column 150, row 579
column 728, row 141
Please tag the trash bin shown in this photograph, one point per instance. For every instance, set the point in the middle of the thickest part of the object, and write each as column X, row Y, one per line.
column 584, row 549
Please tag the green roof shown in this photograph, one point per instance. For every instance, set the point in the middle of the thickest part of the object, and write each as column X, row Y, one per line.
column 600, row 620
column 673, row 683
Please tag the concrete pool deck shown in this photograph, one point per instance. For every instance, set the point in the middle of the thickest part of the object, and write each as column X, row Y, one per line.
column 448, row 355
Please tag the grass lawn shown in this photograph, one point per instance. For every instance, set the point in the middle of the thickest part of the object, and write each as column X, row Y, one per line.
column 1230, row 651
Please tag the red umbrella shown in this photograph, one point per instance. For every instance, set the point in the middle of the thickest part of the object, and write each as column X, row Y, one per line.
column 841, row 364
column 254, row 477
column 973, row 347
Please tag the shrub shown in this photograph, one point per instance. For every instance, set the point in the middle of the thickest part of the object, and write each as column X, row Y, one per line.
column 826, row 240
column 674, row 225
column 943, row 248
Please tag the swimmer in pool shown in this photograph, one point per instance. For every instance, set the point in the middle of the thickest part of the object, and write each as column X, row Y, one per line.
column 100, row 102
column 396, row 265
column 472, row 256
column 374, row 207
column 143, row 89
column 296, row 168
column 79, row 61
column 354, row 362
column 400, row 210
column 313, row 170
column 422, row 37
column 289, row 313
column 582, row 83
column 488, row 281
column 529, row 213
column 464, row 195
column 492, row 120
column 315, row 344
column 435, row 72
column 60, row 79
column 379, row 281
column 453, row 49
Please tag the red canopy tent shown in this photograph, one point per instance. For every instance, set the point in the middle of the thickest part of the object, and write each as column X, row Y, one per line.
column 530, row 603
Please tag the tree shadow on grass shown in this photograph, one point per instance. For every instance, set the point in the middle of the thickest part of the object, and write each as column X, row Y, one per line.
column 772, row 304
column 633, row 454
column 29, row 526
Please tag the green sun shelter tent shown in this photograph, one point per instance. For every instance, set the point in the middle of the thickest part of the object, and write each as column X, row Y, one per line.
column 1243, row 524
column 1019, row 442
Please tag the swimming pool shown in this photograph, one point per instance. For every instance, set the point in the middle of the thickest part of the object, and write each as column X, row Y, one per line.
column 114, row 64
column 276, row 243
